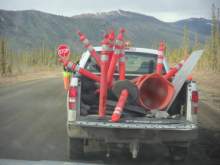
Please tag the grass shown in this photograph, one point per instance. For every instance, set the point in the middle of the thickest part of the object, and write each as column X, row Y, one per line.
column 207, row 80
column 30, row 76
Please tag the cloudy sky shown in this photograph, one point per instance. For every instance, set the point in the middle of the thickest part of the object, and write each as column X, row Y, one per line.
column 165, row 10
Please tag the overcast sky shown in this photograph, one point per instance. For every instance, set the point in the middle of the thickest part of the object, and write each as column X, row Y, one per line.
column 165, row 10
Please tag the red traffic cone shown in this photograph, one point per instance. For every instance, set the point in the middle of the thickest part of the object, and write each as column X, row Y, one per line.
column 155, row 91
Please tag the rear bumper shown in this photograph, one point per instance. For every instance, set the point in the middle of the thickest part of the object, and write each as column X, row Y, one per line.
column 150, row 133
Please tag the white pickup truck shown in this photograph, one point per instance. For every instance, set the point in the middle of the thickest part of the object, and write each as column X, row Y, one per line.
column 134, row 128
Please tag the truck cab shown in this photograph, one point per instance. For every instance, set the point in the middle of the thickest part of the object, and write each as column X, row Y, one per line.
column 134, row 128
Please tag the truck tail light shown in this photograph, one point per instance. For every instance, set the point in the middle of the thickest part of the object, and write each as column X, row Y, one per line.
column 194, row 102
column 72, row 97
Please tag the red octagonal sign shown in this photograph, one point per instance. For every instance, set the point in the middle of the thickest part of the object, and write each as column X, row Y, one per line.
column 63, row 51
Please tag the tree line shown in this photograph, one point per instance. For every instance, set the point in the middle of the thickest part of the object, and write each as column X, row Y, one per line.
column 31, row 60
column 211, row 56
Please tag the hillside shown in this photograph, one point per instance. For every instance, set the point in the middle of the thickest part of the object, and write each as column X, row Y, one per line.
column 200, row 25
column 33, row 27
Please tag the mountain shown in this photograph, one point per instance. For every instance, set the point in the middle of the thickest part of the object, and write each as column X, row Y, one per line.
column 33, row 27
column 200, row 25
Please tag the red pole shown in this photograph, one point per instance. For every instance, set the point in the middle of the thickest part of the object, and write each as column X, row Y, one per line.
column 122, row 63
column 160, row 59
column 82, row 71
column 111, row 45
column 124, row 94
column 90, row 48
column 104, row 70
column 115, row 57
column 175, row 69
column 120, row 106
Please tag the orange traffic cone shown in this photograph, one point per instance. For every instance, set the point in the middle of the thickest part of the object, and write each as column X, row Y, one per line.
column 155, row 91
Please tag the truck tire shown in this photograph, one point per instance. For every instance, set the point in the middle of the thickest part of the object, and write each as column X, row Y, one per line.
column 178, row 154
column 75, row 148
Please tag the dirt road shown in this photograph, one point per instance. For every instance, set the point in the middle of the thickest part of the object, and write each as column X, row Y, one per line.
column 208, row 116
column 206, row 148
column 33, row 127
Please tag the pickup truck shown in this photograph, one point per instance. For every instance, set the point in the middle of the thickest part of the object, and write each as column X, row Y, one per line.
column 133, row 129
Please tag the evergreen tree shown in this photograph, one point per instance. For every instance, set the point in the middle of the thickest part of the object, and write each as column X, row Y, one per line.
column 33, row 54
column 185, row 42
column 217, row 41
column 165, row 44
column 197, row 45
column 7, row 51
column 154, row 45
column 55, row 56
column 2, row 56
column 213, row 40
column 28, row 59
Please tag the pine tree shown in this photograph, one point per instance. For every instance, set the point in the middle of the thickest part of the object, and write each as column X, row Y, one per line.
column 33, row 54
column 197, row 45
column 154, row 45
column 2, row 56
column 28, row 59
column 207, row 54
column 213, row 40
column 7, row 50
column 185, row 41
column 165, row 44
column 55, row 56
column 181, row 55
column 217, row 41
column 171, row 58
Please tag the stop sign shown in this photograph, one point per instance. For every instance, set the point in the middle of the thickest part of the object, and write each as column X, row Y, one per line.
column 63, row 51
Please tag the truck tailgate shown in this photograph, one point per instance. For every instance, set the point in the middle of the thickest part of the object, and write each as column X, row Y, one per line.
column 137, row 123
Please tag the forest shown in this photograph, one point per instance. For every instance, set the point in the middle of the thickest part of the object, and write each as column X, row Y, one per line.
column 210, row 59
column 34, row 60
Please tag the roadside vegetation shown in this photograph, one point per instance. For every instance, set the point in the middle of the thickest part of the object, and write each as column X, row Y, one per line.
column 30, row 61
column 210, row 59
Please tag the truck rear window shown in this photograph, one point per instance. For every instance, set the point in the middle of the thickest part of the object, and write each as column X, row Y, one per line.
column 136, row 63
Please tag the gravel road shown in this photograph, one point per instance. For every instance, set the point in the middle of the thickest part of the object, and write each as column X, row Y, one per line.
column 33, row 127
